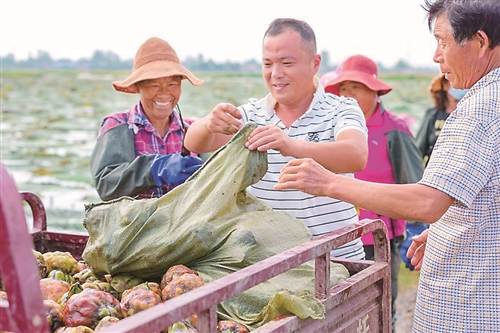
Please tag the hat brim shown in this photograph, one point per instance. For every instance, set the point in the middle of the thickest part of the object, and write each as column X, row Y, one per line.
column 371, row 82
column 155, row 70
column 438, row 84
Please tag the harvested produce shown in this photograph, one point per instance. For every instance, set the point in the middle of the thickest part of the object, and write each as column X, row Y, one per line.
column 175, row 271
column 85, row 275
column 104, row 286
column 105, row 322
column 63, row 261
column 180, row 285
column 40, row 262
column 77, row 329
column 54, row 314
column 123, row 281
column 53, row 289
column 230, row 326
column 140, row 298
column 74, row 289
column 60, row 275
column 89, row 307
column 180, row 327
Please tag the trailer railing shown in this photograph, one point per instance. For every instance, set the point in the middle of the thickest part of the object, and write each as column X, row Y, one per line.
column 361, row 303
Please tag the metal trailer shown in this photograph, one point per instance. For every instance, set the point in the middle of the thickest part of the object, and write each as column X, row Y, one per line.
column 360, row 304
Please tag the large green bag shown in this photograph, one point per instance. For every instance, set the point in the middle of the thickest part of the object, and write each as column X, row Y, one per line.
column 214, row 226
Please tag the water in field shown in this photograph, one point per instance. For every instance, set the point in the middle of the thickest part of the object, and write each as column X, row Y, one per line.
column 49, row 122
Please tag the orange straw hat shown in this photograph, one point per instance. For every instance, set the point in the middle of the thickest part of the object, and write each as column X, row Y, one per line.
column 154, row 59
column 362, row 69
column 438, row 83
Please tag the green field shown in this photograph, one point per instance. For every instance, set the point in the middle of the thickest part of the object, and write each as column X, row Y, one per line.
column 50, row 119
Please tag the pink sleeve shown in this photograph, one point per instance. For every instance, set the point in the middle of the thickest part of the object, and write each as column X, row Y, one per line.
column 108, row 123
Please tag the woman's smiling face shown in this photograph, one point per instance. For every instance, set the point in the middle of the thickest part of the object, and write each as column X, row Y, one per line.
column 160, row 96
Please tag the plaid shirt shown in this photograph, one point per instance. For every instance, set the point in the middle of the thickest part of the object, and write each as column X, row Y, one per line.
column 147, row 140
column 459, row 289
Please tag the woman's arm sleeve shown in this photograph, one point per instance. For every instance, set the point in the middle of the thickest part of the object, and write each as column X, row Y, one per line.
column 115, row 169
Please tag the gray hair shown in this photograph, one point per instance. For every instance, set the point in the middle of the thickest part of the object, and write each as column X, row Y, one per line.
column 467, row 17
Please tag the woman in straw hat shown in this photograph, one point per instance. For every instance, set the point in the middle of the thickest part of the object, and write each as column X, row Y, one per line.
column 445, row 99
column 140, row 152
column 393, row 156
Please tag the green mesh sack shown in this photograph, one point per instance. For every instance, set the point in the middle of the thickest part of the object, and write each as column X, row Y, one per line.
column 213, row 225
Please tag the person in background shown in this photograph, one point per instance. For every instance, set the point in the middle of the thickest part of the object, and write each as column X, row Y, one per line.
column 140, row 152
column 445, row 99
column 459, row 193
column 296, row 119
column 393, row 156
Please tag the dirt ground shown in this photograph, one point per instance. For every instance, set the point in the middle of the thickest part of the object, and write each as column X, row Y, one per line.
column 405, row 304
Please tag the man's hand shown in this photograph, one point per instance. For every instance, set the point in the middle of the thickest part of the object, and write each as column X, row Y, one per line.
column 416, row 250
column 264, row 138
column 305, row 175
column 224, row 119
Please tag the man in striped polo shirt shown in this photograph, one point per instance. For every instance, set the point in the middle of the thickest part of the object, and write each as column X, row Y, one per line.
column 296, row 119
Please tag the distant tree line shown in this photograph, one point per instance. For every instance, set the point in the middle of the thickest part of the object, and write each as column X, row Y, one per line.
column 108, row 60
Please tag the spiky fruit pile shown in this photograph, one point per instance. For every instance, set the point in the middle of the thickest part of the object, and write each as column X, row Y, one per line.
column 140, row 297
column 62, row 261
column 53, row 311
column 105, row 322
column 77, row 300
column 76, row 329
column 53, row 289
column 180, row 285
column 175, row 271
column 230, row 326
column 40, row 262
column 89, row 307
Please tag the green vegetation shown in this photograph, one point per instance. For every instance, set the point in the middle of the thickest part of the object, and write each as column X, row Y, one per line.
column 50, row 120
column 408, row 280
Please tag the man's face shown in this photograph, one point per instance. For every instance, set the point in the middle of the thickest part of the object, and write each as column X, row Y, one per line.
column 288, row 68
column 461, row 64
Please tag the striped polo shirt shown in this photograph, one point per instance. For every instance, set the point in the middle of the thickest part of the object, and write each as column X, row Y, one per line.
column 459, row 289
column 327, row 116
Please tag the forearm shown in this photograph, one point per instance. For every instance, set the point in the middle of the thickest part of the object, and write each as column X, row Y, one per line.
column 114, row 167
column 338, row 157
column 349, row 153
column 125, row 179
column 409, row 201
column 201, row 140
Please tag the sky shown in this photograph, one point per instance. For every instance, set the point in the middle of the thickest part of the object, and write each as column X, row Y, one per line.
column 384, row 30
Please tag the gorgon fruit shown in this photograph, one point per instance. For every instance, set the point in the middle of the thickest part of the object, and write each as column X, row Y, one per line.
column 139, row 298
column 61, row 260
column 89, row 307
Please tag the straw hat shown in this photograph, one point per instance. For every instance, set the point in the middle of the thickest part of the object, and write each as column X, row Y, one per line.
column 154, row 59
column 438, row 83
column 362, row 69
